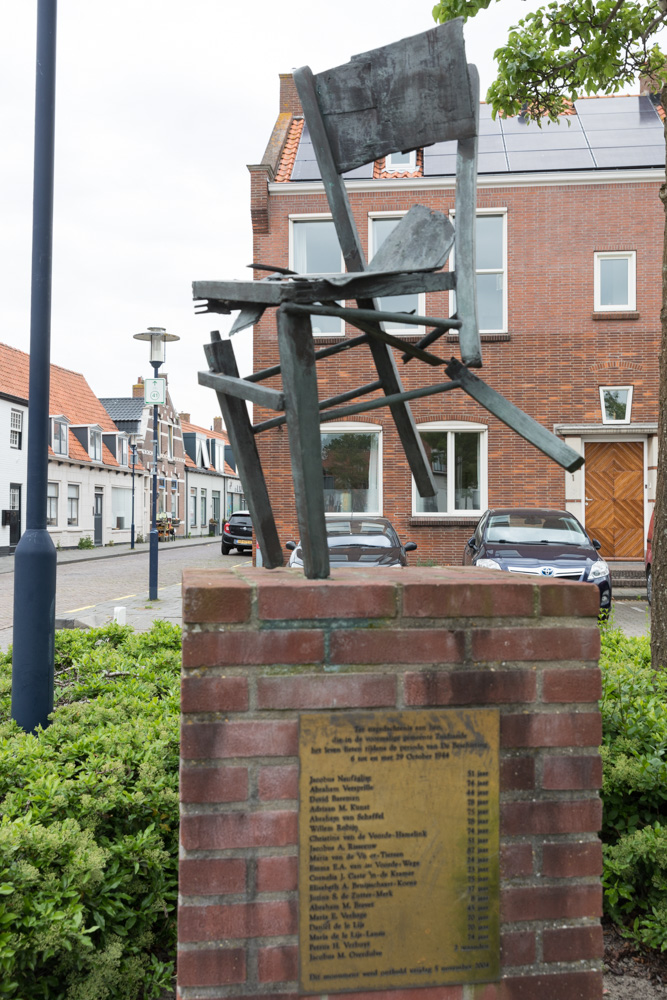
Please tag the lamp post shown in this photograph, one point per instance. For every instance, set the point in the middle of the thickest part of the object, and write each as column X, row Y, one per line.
column 155, row 392
column 35, row 560
column 133, row 446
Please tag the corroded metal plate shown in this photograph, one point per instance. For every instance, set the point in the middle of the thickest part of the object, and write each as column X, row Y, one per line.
column 398, row 849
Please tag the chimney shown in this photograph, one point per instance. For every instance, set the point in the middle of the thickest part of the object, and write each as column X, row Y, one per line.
column 184, row 417
column 217, row 424
column 138, row 388
column 290, row 102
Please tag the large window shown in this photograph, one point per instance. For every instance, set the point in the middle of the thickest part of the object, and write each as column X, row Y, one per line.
column 381, row 226
column 60, row 437
column 16, row 429
column 52, row 504
column 315, row 250
column 121, row 507
column 72, row 505
column 351, row 465
column 457, row 453
column 615, row 282
column 193, row 506
column 491, row 272
column 202, row 508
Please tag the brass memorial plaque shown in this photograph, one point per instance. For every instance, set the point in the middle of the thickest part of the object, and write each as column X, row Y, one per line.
column 398, row 849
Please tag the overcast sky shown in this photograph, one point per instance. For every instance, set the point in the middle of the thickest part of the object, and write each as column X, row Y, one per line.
column 160, row 105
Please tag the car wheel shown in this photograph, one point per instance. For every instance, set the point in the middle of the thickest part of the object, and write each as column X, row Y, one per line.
column 649, row 586
column 225, row 549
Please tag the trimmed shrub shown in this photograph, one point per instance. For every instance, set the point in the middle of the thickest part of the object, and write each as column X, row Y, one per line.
column 89, row 822
column 634, row 791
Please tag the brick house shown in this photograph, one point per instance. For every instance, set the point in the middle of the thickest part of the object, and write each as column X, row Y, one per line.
column 212, row 486
column 569, row 249
column 131, row 415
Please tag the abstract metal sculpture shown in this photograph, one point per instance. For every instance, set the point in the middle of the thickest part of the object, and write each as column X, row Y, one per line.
column 406, row 95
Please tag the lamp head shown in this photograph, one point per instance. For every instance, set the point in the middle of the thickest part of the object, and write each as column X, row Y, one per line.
column 158, row 337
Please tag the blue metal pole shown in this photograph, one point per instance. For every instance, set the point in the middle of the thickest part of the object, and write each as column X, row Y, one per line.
column 152, row 556
column 35, row 560
column 134, row 460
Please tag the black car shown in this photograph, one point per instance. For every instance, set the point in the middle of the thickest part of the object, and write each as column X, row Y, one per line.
column 359, row 540
column 540, row 541
column 237, row 533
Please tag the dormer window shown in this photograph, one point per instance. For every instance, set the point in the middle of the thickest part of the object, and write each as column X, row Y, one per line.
column 60, row 432
column 96, row 446
column 401, row 161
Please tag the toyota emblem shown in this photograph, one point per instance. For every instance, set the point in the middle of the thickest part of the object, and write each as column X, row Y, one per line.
column 547, row 571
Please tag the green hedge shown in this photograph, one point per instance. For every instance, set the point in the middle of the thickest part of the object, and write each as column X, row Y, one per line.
column 89, row 823
column 634, row 792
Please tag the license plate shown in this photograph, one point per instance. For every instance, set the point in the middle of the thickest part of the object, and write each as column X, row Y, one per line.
column 244, row 541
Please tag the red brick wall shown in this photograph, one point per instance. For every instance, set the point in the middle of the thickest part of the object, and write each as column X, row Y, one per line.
column 552, row 366
column 260, row 646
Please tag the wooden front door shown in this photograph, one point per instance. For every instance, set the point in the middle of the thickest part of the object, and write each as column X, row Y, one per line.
column 614, row 475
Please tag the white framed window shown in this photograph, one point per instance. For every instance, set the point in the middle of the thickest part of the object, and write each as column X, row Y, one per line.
column 72, row 505
column 615, row 281
column 122, row 451
column 202, row 508
column 314, row 249
column 16, row 429
column 60, row 437
column 52, row 504
column 490, row 270
column 193, row 506
column 401, row 161
column 352, row 466
column 170, row 441
column 458, row 455
column 381, row 225
column 96, row 445
column 121, row 507
column 616, row 403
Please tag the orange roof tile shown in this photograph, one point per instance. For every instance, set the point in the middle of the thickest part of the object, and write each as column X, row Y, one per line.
column 288, row 155
column 190, row 428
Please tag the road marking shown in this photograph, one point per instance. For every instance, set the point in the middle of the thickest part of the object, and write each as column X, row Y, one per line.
column 84, row 608
column 123, row 598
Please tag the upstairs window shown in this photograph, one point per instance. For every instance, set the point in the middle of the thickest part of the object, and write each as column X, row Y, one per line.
column 381, row 227
column 16, row 429
column 60, row 434
column 170, row 441
column 615, row 281
column 96, row 446
column 491, row 272
column 616, row 403
column 314, row 249
column 122, row 451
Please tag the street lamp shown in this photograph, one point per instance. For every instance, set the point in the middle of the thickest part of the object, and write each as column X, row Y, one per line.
column 133, row 447
column 155, row 392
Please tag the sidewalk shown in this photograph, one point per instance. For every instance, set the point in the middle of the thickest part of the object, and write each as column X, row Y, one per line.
column 138, row 611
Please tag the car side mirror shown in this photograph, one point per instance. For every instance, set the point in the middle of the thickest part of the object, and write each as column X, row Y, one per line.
column 471, row 543
column 410, row 546
column 596, row 544
column 290, row 546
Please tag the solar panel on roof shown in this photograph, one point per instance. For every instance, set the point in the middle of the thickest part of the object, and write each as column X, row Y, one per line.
column 492, row 163
column 629, row 119
column 491, row 144
column 441, row 149
column 610, row 105
column 565, row 139
column 631, row 156
column 305, row 170
column 439, row 166
column 624, row 137
column 551, row 159
column 366, row 170
column 519, row 126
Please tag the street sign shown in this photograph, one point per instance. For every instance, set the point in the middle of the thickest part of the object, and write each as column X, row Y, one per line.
column 155, row 391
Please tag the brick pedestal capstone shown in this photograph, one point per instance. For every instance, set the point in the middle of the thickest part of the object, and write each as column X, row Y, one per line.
column 261, row 646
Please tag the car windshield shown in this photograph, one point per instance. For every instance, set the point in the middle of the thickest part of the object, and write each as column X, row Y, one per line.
column 535, row 528
column 359, row 532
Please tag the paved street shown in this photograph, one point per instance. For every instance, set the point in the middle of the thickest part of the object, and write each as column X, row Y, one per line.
column 89, row 590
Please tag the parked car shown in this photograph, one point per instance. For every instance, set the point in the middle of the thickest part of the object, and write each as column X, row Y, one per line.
column 648, row 559
column 540, row 541
column 237, row 533
column 359, row 540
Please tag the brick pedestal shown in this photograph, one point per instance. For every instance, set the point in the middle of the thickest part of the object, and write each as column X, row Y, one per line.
column 261, row 646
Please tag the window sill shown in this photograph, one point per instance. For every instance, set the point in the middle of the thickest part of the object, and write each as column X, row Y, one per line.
column 486, row 338
column 444, row 520
column 604, row 316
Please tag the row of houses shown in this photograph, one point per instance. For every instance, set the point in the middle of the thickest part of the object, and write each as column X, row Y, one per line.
column 100, row 463
column 569, row 251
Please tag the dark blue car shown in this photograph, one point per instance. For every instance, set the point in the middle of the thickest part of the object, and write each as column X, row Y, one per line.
column 540, row 541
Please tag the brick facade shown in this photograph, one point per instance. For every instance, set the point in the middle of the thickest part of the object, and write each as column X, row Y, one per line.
column 551, row 361
column 261, row 646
